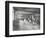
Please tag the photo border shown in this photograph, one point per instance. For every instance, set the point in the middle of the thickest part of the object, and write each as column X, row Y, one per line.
column 7, row 18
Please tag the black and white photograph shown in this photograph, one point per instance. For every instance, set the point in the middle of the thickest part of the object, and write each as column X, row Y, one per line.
column 24, row 18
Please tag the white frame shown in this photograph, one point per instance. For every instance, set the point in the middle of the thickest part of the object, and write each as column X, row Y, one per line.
column 11, row 32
